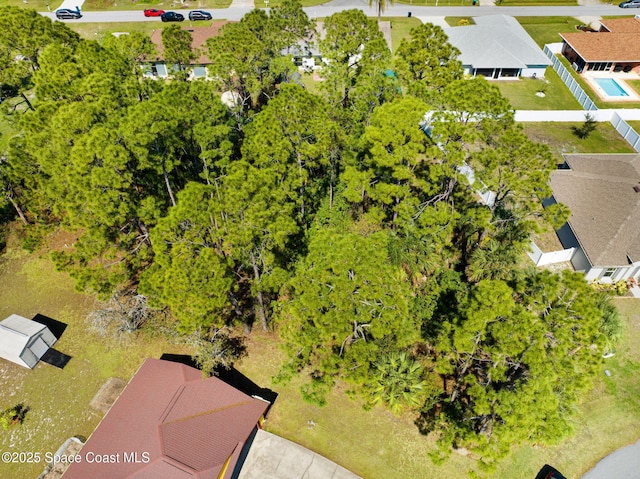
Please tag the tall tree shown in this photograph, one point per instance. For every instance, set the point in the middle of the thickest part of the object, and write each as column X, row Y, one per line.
column 427, row 62
column 248, row 59
column 296, row 137
column 344, row 308
column 24, row 34
column 357, row 62
column 177, row 48
column 515, row 362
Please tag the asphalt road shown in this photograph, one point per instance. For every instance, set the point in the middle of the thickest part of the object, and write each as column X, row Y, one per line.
column 621, row 464
column 397, row 10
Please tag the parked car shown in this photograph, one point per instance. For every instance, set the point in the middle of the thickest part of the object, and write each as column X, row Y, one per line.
column 585, row 28
column 152, row 12
column 172, row 17
column 549, row 472
column 630, row 4
column 68, row 13
column 199, row 15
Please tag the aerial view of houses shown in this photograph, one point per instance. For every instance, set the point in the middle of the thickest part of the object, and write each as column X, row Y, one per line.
column 302, row 240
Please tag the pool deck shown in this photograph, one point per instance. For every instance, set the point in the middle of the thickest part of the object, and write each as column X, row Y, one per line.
column 619, row 79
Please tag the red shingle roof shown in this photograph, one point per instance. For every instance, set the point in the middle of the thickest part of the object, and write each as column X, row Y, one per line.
column 199, row 36
column 189, row 427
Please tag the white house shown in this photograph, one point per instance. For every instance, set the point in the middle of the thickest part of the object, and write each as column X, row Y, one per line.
column 603, row 194
column 497, row 47
column 24, row 341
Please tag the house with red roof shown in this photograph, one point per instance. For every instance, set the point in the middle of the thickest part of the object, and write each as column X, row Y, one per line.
column 171, row 423
column 199, row 35
column 615, row 48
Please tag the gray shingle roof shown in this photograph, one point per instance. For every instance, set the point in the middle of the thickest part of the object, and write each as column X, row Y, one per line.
column 496, row 41
column 605, row 209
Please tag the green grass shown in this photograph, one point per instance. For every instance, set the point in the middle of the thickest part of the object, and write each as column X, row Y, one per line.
column 535, row 3
column 455, row 21
column 436, row 3
column 559, row 137
column 522, row 93
column 277, row 3
column 93, row 5
column 39, row 5
column 400, row 29
column 96, row 31
column 545, row 30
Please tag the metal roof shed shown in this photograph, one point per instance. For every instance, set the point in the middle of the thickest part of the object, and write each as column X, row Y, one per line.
column 24, row 341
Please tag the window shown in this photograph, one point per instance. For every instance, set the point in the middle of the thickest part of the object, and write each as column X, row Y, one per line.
column 609, row 272
column 600, row 66
column 199, row 72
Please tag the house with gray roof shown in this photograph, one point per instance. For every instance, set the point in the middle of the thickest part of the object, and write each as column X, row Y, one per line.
column 497, row 47
column 603, row 194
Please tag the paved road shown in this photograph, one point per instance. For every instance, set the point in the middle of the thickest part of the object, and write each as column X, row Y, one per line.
column 621, row 464
column 397, row 10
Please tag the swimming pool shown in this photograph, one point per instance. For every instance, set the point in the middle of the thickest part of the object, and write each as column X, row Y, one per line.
column 611, row 87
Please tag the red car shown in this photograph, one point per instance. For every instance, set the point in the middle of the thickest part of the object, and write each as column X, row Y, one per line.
column 152, row 12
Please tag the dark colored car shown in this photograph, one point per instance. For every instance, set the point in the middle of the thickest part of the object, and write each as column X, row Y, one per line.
column 68, row 13
column 152, row 12
column 585, row 28
column 172, row 17
column 199, row 15
column 548, row 472
column 630, row 4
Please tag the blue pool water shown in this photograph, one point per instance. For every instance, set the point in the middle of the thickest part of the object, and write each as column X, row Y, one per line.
column 611, row 87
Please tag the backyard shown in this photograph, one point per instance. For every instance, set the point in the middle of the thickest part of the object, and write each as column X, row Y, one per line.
column 374, row 444
column 524, row 94
column 560, row 138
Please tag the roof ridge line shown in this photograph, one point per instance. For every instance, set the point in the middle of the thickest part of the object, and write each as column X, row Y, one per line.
column 209, row 411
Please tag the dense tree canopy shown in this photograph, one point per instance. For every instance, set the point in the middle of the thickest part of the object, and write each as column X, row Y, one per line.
column 377, row 227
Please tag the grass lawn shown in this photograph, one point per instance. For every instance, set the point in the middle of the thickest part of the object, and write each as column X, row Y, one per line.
column 400, row 28
column 522, row 93
column 559, row 137
column 545, row 30
column 93, row 5
column 459, row 21
column 535, row 3
column 436, row 3
column 39, row 5
column 96, row 31
column 277, row 3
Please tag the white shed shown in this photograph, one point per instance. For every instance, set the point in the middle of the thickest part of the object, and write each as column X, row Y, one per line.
column 24, row 341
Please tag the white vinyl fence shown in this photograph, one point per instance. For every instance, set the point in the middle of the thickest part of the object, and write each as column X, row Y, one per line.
column 573, row 86
column 540, row 258
column 626, row 131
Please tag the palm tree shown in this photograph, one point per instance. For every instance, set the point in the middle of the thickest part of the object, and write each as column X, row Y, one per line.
column 398, row 382
column 381, row 6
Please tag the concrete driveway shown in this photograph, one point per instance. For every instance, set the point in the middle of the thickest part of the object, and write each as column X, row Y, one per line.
column 273, row 457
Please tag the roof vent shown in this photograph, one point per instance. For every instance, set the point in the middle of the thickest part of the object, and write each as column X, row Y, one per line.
column 637, row 188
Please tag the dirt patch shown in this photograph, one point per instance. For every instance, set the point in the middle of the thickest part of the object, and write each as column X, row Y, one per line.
column 107, row 395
